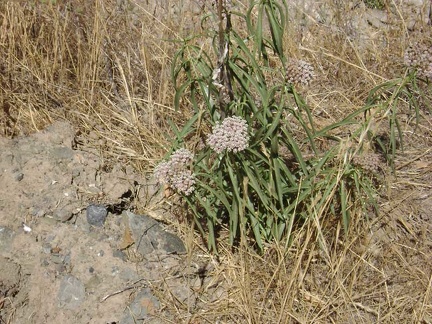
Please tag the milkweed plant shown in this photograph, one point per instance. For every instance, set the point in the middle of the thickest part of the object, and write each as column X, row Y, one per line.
column 248, row 159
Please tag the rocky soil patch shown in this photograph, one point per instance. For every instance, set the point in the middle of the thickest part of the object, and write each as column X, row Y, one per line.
column 71, row 248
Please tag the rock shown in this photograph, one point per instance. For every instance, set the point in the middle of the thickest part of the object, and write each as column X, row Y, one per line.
column 71, row 292
column 19, row 176
column 149, row 236
column 141, row 309
column 119, row 254
column 65, row 212
column 96, row 215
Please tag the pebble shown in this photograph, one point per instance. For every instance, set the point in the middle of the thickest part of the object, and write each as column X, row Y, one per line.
column 19, row 176
column 96, row 215
column 65, row 213
column 119, row 254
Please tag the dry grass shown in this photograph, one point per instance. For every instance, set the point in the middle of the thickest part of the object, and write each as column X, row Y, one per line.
column 105, row 67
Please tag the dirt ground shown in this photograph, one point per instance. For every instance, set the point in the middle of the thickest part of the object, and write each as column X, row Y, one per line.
column 57, row 268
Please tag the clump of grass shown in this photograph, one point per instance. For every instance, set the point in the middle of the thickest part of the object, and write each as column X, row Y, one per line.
column 93, row 64
column 374, row 4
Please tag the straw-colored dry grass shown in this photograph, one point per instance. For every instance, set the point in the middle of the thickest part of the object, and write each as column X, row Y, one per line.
column 105, row 67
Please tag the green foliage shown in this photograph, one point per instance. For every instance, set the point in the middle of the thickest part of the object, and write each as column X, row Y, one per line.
column 280, row 179
column 386, row 99
column 374, row 4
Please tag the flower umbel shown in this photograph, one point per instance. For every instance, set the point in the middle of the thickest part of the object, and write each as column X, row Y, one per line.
column 419, row 57
column 175, row 172
column 299, row 72
column 231, row 135
column 181, row 158
column 163, row 172
column 183, row 182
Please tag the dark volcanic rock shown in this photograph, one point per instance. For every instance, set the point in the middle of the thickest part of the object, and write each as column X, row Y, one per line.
column 96, row 215
column 149, row 236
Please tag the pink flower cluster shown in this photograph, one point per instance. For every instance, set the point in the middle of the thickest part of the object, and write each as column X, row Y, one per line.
column 299, row 72
column 419, row 57
column 231, row 135
column 175, row 172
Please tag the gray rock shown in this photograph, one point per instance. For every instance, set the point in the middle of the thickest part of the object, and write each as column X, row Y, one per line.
column 71, row 292
column 19, row 176
column 62, row 214
column 67, row 208
column 119, row 254
column 96, row 215
column 149, row 236
column 141, row 309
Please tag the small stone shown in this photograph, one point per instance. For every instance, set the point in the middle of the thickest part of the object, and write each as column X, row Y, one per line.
column 62, row 214
column 96, row 215
column 71, row 292
column 19, row 176
column 60, row 268
column 119, row 254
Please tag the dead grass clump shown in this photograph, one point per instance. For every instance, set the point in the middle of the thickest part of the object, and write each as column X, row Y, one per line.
column 96, row 64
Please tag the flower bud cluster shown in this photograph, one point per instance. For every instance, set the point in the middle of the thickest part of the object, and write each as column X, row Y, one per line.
column 419, row 57
column 299, row 72
column 231, row 135
column 175, row 172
